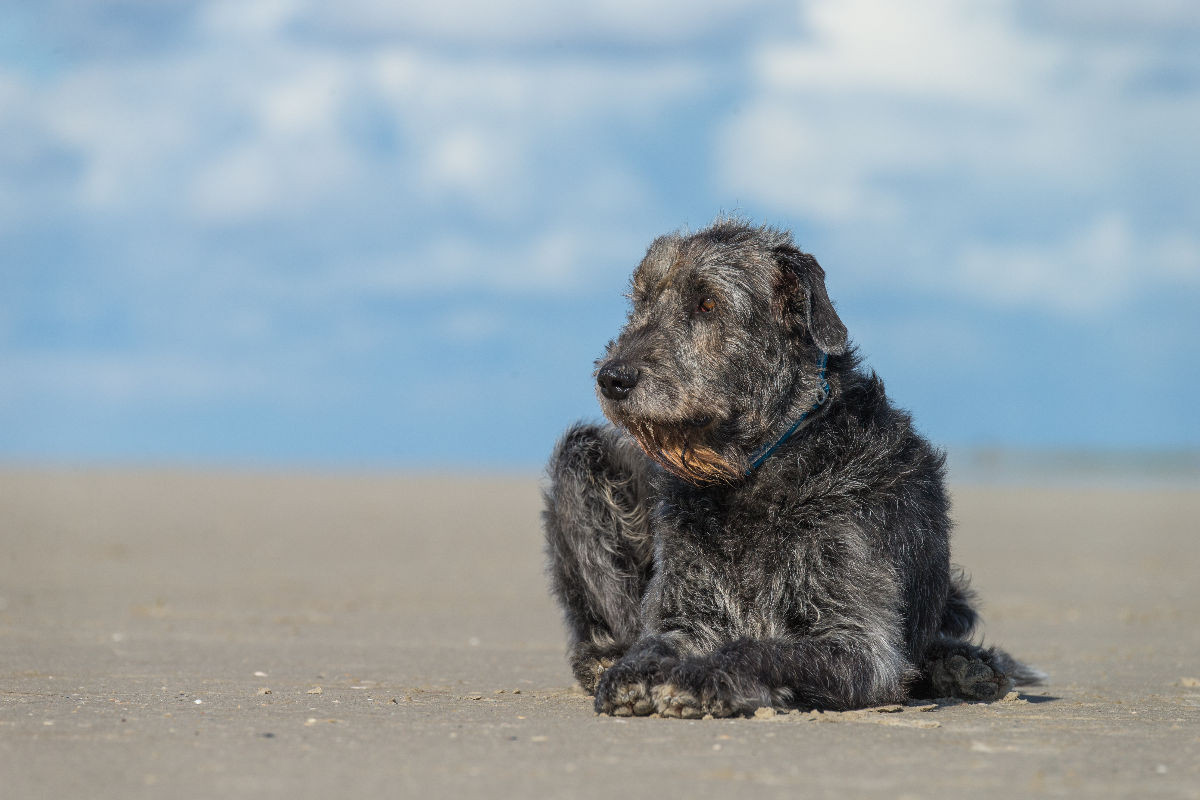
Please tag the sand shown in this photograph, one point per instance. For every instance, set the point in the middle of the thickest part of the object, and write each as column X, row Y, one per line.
column 188, row 634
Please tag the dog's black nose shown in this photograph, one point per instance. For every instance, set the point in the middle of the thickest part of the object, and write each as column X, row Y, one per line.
column 617, row 379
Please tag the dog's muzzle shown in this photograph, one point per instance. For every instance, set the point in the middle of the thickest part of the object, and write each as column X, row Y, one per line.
column 617, row 379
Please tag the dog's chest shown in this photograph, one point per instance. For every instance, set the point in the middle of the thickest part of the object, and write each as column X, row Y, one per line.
column 728, row 563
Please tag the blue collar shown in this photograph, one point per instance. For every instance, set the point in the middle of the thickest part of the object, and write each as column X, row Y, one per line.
column 821, row 398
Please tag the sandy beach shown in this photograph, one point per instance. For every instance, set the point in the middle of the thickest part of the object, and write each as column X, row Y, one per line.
column 203, row 634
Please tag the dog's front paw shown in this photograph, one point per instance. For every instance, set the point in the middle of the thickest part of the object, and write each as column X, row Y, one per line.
column 671, row 700
column 624, row 691
column 698, row 687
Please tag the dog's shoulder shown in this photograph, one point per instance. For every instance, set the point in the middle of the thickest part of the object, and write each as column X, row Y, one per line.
column 867, row 418
column 864, row 446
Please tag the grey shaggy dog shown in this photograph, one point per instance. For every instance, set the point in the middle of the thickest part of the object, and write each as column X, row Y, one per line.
column 760, row 526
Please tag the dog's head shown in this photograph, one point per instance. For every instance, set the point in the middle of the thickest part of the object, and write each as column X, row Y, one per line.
column 723, row 340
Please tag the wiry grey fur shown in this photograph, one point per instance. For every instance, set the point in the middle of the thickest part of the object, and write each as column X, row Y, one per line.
column 821, row 579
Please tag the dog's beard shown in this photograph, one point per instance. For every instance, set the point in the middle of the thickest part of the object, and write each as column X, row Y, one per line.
column 676, row 449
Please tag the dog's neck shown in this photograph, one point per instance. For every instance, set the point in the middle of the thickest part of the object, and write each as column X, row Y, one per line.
column 822, row 396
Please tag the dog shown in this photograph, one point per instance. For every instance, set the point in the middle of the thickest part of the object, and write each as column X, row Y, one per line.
column 759, row 525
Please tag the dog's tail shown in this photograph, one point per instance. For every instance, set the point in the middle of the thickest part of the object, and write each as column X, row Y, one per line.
column 955, row 667
column 1021, row 674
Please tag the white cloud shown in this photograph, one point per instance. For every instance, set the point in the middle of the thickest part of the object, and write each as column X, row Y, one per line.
column 884, row 90
column 814, row 165
column 929, row 49
column 291, row 155
column 851, row 126
column 250, row 123
column 545, row 262
column 114, row 118
column 1090, row 270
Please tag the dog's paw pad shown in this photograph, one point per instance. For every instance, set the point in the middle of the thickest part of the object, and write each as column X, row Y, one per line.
column 719, row 708
column 672, row 701
column 625, row 700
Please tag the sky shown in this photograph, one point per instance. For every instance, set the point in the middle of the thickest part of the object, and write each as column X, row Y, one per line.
column 398, row 234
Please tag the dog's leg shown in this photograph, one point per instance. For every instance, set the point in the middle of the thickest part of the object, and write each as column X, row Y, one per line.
column 959, row 617
column 828, row 672
column 598, row 544
column 956, row 668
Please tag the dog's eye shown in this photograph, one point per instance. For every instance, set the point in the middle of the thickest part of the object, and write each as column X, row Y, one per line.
column 706, row 305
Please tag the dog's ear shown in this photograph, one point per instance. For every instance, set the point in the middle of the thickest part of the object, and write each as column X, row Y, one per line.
column 801, row 290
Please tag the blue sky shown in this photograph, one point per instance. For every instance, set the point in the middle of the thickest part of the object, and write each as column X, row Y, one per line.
column 289, row 232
